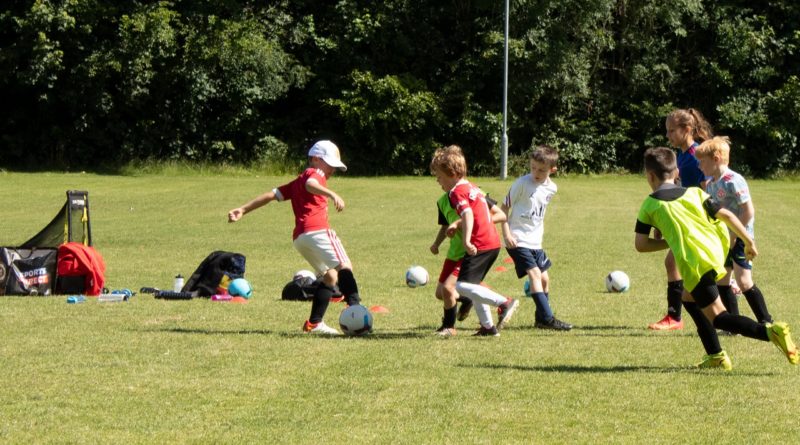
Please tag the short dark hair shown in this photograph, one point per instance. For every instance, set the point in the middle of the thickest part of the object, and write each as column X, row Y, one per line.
column 545, row 154
column 661, row 161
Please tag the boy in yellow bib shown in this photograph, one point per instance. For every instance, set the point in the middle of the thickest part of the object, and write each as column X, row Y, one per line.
column 690, row 223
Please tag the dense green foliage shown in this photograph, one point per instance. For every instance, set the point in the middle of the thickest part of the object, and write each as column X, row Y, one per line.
column 87, row 83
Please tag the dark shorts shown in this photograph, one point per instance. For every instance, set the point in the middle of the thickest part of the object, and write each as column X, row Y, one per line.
column 475, row 267
column 450, row 267
column 737, row 255
column 526, row 259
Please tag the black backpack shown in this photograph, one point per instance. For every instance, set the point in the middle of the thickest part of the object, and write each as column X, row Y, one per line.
column 215, row 272
column 303, row 289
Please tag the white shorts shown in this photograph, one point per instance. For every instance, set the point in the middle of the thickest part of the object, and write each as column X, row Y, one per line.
column 322, row 249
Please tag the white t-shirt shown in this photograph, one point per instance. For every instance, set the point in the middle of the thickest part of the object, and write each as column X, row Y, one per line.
column 732, row 192
column 527, row 202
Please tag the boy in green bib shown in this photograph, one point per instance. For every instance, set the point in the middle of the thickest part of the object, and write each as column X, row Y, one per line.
column 690, row 223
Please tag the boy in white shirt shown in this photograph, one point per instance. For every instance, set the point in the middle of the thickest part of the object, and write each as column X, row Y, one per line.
column 525, row 206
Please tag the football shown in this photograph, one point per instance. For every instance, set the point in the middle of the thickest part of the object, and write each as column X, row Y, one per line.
column 617, row 281
column 240, row 288
column 355, row 320
column 416, row 276
column 304, row 274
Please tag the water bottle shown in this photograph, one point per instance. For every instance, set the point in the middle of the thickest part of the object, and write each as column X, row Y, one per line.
column 178, row 285
column 111, row 298
column 74, row 299
column 127, row 292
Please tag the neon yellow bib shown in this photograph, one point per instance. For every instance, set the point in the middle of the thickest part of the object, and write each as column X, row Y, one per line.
column 699, row 242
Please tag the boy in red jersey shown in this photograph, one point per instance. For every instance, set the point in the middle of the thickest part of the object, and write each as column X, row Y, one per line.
column 479, row 236
column 312, row 234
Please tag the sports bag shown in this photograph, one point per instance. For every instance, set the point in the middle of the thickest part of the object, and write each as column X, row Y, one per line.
column 303, row 289
column 214, row 273
column 27, row 271
column 81, row 269
column 300, row 289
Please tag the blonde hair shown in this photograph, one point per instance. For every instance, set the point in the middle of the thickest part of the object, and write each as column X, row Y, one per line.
column 716, row 146
column 690, row 117
column 545, row 154
column 450, row 161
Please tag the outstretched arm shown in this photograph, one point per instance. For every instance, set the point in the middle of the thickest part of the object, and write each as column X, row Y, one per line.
column 318, row 189
column 736, row 226
column 259, row 201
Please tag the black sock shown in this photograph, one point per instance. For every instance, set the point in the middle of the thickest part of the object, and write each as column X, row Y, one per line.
column 348, row 286
column 449, row 319
column 674, row 296
column 728, row 299
column 322, row 297
column 739, row 324
column 706, row 331
column 463, row 300
column 757, row 304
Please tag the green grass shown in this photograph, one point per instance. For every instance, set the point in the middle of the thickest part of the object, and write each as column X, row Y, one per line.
column 153, row 371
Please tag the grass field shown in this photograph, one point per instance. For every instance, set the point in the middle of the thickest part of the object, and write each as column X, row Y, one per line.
column 153, row 371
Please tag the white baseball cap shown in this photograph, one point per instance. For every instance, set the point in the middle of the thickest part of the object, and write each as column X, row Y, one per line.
column 329, row 153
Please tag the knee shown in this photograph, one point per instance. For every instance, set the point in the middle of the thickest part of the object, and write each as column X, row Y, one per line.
column 745, row 283
column 331, row 277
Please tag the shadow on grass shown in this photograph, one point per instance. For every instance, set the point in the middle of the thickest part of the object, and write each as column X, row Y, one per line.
column 589, row 369
column 603, row 331
column 375, row 336
column 371, row 337
column 213, row 331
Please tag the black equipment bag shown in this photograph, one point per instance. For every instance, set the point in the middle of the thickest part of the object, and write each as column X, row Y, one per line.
column 300, row 289
column 214, row 273
column 303, row 289
column 27, row 271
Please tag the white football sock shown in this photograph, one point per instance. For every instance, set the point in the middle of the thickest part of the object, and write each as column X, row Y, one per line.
column 480, row 294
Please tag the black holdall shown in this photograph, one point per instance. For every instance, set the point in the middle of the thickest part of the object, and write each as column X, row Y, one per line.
column 215, row 272
column 303, row 289
column 27, row 271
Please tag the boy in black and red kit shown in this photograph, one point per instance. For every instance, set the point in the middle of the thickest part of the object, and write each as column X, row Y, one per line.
column 480, row 239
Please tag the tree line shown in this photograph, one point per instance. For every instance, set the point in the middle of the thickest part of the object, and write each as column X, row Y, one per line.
column 87, row 83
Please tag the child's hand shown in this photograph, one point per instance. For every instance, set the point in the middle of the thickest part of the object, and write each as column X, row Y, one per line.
column 435, row 249
column 511, row 242
column 235, row 215
column 338, row 202
column 750, row 250
column 470, row 248
column 451, row 230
